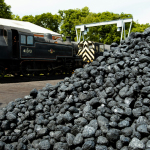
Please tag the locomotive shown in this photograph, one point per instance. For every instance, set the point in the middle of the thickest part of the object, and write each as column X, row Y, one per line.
column 23, row 53
column 90, row 50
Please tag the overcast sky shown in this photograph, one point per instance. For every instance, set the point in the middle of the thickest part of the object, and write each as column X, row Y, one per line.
column 140, row 9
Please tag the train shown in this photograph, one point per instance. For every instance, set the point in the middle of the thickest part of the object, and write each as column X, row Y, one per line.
column 21, row 52
column 90, row 50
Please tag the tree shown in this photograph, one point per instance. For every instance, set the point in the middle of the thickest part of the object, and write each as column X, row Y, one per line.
column 5, row 10
column 16, row 17
column 49, row 21
column 136, row 27
column 70, row 18
column 28, row 18
column 46, row 20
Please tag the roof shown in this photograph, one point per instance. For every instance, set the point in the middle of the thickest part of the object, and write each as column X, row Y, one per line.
column 26, row 26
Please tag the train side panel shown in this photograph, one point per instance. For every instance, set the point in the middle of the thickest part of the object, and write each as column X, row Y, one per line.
column 22, row 53
column 46, row 51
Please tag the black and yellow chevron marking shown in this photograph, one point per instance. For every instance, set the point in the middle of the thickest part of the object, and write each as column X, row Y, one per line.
column 87, row 51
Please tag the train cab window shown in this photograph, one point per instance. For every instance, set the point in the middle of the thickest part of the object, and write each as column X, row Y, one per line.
column 29, row 40
column 23, row 39
column 1, row 32
column 101, row 47
column 96, row 48
column 80, row 46
column 90, row 46
column 4, row 32
column 5, row 35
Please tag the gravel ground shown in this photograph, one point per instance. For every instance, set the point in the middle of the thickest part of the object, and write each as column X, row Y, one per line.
column 11, row 91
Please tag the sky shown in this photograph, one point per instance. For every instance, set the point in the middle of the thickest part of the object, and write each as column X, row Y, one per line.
column 140, row 9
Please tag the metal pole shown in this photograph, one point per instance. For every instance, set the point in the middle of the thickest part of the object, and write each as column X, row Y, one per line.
column 130, row 28
column 121, row 32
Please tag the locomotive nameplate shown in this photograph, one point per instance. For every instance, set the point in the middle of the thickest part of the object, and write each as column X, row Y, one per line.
column 27, row 50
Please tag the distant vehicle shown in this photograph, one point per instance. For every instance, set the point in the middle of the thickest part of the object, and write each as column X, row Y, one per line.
column 90, row 50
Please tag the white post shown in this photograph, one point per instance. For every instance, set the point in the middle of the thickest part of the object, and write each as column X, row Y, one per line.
column 130, row 29
column 121, row 32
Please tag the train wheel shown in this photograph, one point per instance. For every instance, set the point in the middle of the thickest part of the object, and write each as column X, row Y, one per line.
column 16, row 74
column 36, row 73
column 25, row 71
column 2, row 72
column 50, row 70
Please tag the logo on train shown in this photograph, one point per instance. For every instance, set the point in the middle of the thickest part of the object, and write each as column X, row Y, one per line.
column 51, row 51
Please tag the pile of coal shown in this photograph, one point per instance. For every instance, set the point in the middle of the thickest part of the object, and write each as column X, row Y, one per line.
column 103, row 106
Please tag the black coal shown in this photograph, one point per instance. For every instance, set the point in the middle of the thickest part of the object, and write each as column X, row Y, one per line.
column 103, row 106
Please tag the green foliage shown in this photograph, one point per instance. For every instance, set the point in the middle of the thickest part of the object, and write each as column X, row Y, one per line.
column 5, row 10
column 49, row 21
column 70, row 18
column 46, row 20
column 136, row 27
column 16, row 17
column 29, row 18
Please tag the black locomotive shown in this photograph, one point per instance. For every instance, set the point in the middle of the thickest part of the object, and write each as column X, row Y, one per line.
column 23, row 53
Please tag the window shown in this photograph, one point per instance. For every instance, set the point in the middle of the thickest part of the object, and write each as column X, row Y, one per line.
column 90, row 46
column 5, row 35
column 1, row 32
column 80, row 46
column 29, row 40
column 96, row 48
column 23, row 39
column 4, row 32
column 101, row 47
